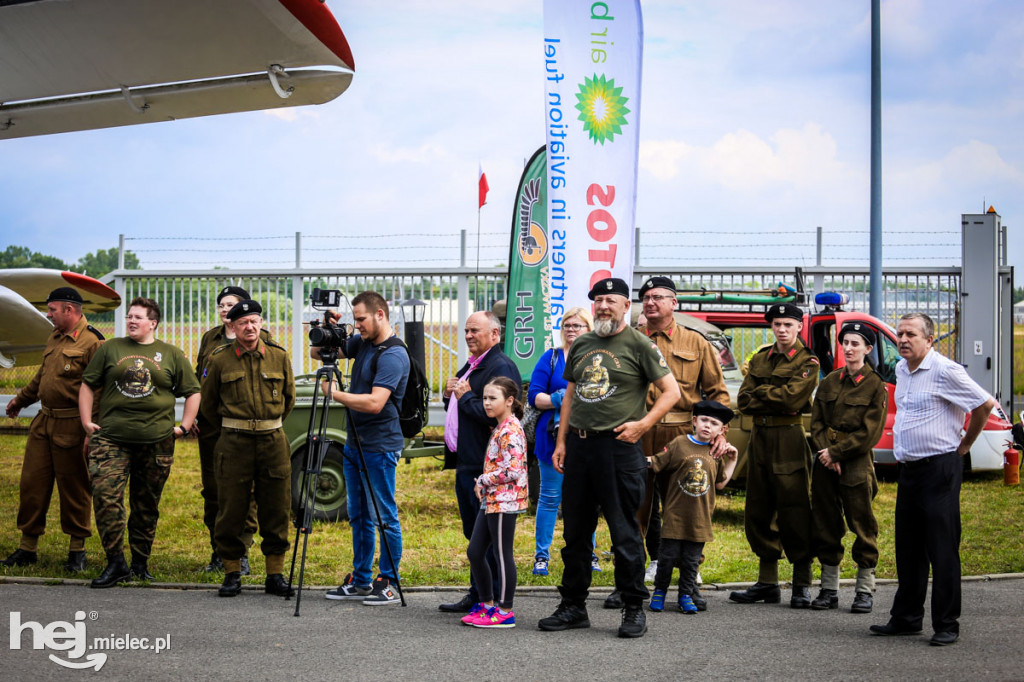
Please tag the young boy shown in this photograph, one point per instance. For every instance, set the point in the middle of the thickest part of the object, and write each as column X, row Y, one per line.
column 691, row 476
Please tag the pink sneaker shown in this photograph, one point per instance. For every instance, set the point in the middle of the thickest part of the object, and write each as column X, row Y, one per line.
column 493, row 618
column 479, row 609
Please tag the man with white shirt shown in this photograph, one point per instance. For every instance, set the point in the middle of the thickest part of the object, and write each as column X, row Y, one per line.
column 933, row 395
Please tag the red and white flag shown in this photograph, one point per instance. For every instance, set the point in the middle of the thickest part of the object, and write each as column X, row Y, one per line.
column 484, row 187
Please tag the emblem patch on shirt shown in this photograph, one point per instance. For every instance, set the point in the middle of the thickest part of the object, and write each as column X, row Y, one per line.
column 158, row 356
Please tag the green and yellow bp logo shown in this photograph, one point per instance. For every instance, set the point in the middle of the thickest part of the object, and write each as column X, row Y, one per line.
column 602, row 108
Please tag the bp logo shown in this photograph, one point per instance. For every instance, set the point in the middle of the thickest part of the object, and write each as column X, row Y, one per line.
column 602, row 108
column 533, row 242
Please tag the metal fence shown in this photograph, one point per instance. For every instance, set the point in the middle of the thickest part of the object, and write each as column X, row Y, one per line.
column 449, row 295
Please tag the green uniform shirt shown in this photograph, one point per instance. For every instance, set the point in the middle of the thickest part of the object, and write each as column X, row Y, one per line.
column 611, row 374
column 241, row 384
column 779, row 383
column 140, row 383
column 849, row 413
column 211, row 341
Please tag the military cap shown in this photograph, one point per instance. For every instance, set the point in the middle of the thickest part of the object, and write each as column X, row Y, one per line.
column 609, row 285
column 713, row 408
column 64, row 295
column 784, row 310
column 865, row 331
column 239, row 292
column 657, row 282
column 243, row 308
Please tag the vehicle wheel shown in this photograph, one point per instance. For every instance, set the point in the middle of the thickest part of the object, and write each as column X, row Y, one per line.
column 331, row 502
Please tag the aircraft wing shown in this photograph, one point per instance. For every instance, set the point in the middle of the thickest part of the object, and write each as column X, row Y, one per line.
column 23, row 292
column 103, row 63
column 23, row 331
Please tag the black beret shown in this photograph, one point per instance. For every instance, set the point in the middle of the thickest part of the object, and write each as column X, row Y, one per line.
column 64, row 295
column 784, row 310
column 859, row 328
column 609, row 285
column 239, row 292
column 657, row 282
column 713, row 408
column 243, row 308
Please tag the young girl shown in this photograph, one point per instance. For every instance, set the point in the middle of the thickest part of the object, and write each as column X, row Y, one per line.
column 502, row 492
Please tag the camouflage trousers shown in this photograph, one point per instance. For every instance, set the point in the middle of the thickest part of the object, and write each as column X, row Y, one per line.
column 142, row 468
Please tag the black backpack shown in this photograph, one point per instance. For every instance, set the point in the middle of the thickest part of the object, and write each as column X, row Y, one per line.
column 412, row 413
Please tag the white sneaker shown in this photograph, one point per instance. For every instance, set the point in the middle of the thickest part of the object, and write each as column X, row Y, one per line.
column 349, row 590
column 651, row 571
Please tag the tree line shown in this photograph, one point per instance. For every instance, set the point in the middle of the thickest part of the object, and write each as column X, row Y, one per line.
column 94, row 264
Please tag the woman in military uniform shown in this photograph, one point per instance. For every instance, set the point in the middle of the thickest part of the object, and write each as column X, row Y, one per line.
column 848, row 418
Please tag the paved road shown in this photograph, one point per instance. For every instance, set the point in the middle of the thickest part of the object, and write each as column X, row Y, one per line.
column 256, row 637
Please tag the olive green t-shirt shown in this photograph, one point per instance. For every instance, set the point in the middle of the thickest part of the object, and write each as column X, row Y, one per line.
column 140, row 383
column 612, row 374
column 689, row 474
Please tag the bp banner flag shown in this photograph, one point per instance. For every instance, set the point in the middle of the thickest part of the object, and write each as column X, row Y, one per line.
column 527, row 325
column 593, row 53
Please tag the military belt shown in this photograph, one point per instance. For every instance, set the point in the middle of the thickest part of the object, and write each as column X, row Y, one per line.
column 777, row 420
column 251, row 424
column 677, row 418
column 835, row 436
column 584, row 433
column 59, row 412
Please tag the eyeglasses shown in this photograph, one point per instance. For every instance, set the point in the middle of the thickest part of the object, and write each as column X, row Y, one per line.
column 574, row 327
column 655, row 298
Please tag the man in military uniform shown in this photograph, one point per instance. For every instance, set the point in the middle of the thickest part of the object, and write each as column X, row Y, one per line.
column 849, row 414
column 54, row 451
column 775, row 392
column 603, row 463
column 132, row 444
column 209, row 432
column 250, row 388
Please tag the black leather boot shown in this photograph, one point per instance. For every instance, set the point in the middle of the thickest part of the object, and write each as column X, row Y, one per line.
column 862, row 603
column 117, row 571
column 20, row 557
column 140, row 570
column 231, row 586
column 76, row 562
column 276, row 584
column 766, row 592
column 826, row 599
column 801, row 597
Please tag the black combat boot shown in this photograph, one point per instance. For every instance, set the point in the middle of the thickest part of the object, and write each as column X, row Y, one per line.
column 275, row 584
column 117, row 571
column 826, row 599
column 766, row 592
column 232, row 585
column 20, row 557
column 140, row 569
column 76, row 562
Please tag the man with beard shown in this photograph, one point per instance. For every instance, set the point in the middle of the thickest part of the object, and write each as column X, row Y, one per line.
column 603, row 417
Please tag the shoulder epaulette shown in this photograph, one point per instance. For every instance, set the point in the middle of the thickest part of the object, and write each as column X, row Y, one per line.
column 271, row 342
column 96, row 332
column 765, row 349
column 219, row 349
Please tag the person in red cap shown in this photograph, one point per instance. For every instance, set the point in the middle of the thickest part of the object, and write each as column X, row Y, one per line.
column 54, row 451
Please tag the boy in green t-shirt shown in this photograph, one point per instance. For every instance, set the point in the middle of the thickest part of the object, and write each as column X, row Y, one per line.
column 691, row 476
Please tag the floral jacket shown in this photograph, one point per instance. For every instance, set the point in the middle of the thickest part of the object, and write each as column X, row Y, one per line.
column 504, row 479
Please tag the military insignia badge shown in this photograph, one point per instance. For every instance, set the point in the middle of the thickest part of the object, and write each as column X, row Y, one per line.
column 608, row 285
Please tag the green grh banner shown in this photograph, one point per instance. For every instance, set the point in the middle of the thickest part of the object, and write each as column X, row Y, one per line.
column 527, row 324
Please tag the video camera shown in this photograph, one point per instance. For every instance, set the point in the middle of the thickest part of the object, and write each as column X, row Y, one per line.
column 326, row 335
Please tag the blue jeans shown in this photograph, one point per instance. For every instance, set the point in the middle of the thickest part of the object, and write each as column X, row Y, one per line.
column 380, row 469
column 548, row 500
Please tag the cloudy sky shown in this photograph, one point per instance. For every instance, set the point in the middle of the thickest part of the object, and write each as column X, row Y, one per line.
column 754, row 129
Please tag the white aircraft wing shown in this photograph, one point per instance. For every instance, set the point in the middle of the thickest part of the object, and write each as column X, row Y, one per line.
column 103, row 63
column 23, row 293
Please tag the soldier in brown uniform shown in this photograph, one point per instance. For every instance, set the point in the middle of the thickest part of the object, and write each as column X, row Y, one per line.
column 250, row 388
column 776, row 390
column 209, row 432
column 694, row 364
column 54, row 451
column 849, row 414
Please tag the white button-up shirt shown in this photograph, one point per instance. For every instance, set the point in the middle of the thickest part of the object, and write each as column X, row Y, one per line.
column 932, row 403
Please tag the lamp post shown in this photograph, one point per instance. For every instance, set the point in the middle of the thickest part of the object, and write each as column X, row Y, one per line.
column 412, row 313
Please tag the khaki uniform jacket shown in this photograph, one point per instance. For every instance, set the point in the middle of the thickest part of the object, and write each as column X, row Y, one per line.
column 65, row 358
column 693, row 362
column 849, row 415
column 779, row 383
column 240, row 384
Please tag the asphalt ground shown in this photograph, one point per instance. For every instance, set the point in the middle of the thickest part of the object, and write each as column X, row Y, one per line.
column 257, row 637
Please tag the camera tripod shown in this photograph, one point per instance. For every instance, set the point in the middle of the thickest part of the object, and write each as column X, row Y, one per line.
column 317, row 445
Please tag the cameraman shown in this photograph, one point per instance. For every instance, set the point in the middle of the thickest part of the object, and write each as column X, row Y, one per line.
column 372, row 400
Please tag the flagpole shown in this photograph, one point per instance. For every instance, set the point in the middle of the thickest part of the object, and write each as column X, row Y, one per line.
column 478, row 211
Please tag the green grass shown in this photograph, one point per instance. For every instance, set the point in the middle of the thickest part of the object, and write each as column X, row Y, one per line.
column 434, row 551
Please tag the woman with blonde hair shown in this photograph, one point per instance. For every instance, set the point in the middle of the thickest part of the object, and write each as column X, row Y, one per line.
column 547, row 387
